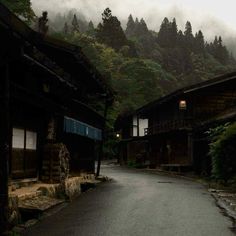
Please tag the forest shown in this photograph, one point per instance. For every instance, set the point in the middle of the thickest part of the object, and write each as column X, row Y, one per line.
column 140, row 64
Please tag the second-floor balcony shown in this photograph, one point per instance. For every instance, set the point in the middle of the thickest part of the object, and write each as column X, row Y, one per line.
column 169, row 125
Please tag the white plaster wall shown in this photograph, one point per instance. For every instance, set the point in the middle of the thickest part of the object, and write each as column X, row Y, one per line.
column 135, row 129
column 143, row 124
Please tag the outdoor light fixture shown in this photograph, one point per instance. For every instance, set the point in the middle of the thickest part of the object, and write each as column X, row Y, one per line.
column 182, row 105
column 117, row 135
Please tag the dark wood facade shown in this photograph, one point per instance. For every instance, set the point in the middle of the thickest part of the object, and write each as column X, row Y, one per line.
column 49, row 80
column 177, row 122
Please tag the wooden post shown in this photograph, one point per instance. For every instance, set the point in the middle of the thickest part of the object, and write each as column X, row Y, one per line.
column 190, row 147
column 4, row 146
column 100, row 155
column 137, row 125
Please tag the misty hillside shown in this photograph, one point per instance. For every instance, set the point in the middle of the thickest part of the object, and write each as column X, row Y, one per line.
column 142, row 64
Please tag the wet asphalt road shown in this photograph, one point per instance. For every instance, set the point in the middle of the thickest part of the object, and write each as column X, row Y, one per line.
column 137, row 203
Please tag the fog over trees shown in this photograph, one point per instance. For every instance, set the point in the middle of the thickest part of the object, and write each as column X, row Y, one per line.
column 140, row 63
column 213, row 20
column 148, row 63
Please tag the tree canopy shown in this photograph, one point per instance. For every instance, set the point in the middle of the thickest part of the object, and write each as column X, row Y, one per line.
column 110, row 32
column 141, row 64
column 21, row 8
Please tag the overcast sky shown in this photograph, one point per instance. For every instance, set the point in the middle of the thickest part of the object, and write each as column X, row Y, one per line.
column 214, row 17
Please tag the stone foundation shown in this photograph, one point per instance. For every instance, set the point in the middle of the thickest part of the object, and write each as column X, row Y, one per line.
column 14, row 214
column 55, row 163
column 38, row 195
column 73, row 187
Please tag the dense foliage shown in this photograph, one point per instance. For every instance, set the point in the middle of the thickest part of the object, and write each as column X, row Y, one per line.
column 136, row 80
column 110, row 24
column 22, row 8
column 140, row 64
column 189, row 58
column 223, row 151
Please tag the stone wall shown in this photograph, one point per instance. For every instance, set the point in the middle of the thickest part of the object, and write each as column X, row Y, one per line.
column 55, row 163
column 14, row 214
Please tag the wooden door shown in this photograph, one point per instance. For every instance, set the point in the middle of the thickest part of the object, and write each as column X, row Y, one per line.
column 24, row 161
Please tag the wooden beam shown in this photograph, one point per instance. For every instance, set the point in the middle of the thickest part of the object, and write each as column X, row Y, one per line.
column 4, row 147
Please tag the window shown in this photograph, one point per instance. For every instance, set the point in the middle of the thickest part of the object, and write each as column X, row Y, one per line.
column 31, row 140
column 143, row 124
column 24, row 139
column 18, row 138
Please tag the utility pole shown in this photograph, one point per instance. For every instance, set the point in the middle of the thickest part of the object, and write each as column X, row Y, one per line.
column 100, row 155
column 4, row 145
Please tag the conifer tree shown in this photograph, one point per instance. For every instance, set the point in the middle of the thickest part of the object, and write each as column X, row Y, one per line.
column 199, row 44
column 110, row 32
column 215, row 43
column 180, row 39
column 163, row 37
column 130, row 28
column 143, row 29
column 136, row 21
column 136, row 26
column 66, row 28
column 219, row 51
column 173, row 33
column 222, row 53
column 75, row 24
column 42, row 23
column 189, row 39
column 91, row 30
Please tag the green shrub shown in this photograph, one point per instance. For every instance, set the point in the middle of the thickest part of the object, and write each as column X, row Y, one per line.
column 131, row 163
column 135, row 164
column 223, row 151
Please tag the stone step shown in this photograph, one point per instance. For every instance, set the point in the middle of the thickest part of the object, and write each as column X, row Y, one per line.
column 29, row 195
column 38, row 204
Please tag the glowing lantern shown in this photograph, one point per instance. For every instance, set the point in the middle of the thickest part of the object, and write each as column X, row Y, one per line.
column 182, row 105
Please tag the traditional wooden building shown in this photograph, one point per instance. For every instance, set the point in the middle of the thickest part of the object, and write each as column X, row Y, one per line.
column 51, row 83
column 177, row 124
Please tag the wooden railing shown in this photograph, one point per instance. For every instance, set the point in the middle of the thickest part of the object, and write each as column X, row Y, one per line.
column 165, row 126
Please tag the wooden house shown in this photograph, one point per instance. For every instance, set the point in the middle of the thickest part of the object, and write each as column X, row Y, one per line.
column 52, row 128
column 177, row 124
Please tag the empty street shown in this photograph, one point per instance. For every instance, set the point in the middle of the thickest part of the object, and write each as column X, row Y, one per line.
column 137, row 202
